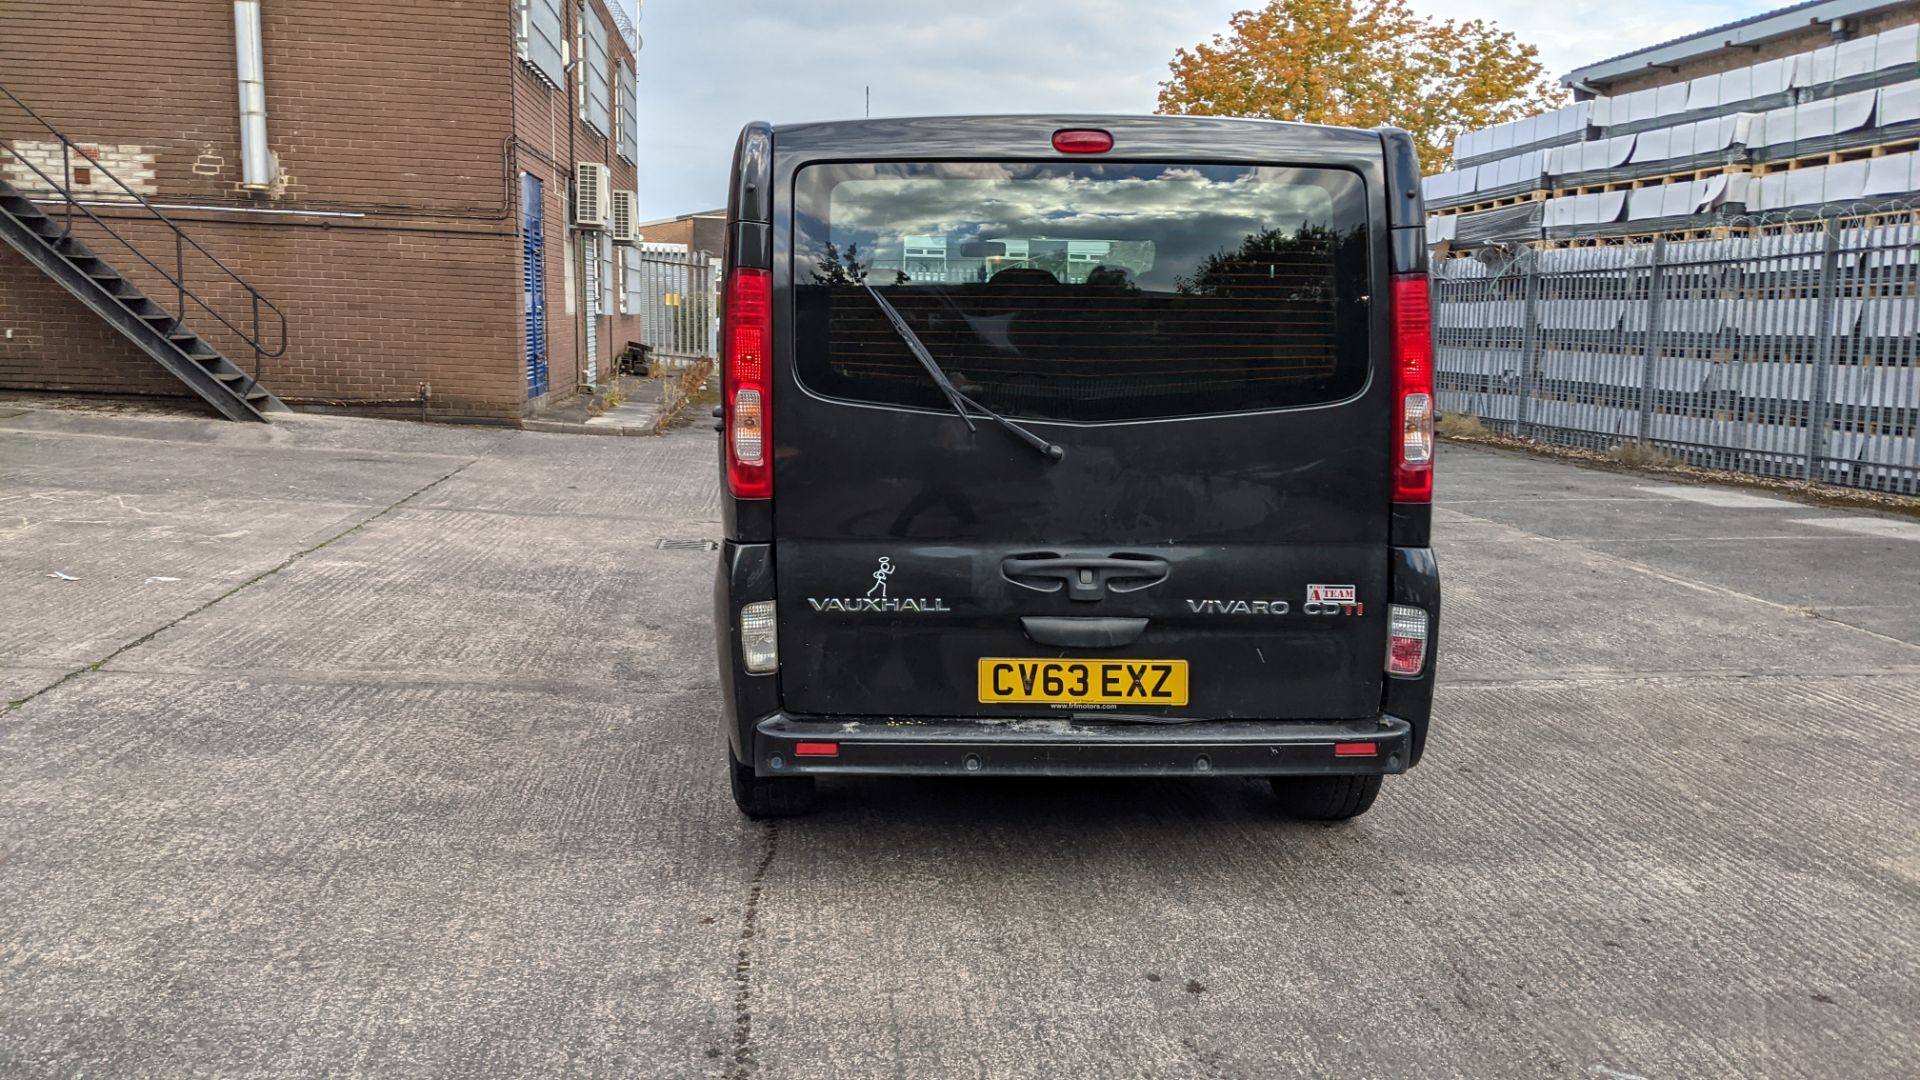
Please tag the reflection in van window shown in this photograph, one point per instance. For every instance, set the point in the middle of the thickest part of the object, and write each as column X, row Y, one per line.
column 1084, row 292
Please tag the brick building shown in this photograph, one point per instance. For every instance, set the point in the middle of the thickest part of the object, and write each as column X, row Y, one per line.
column 415, row 174
column 705, row 231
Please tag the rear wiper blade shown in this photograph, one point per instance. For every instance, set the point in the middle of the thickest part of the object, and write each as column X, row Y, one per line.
column 961, row 403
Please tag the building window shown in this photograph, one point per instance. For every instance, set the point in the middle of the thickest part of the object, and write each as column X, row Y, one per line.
column 537, row 36
column 606, row 274
column 628, row 140
column 596, row 92
column 630, row 294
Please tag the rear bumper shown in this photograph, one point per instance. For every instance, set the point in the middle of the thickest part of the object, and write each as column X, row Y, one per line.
column 992, row 747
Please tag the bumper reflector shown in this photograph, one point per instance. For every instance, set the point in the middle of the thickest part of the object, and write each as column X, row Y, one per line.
column 1355, row 749
column 1406, row 640
column 816, row 749
column 759, row 648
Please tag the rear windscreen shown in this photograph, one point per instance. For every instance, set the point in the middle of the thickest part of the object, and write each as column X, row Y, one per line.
column 1083, row 292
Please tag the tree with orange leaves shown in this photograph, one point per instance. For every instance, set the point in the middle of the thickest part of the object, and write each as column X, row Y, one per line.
column 1362, row 63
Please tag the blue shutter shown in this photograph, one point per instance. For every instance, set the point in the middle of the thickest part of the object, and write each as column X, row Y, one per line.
column 534, row 280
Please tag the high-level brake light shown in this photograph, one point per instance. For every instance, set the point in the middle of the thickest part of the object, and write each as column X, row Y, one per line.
column 1412, row 389
column 1082, row 141
column 747, row 331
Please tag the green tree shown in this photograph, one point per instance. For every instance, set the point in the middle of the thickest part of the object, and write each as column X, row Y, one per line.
column 840, row 268
column 845, row 268
column 1362, row 63
column 1306, row 254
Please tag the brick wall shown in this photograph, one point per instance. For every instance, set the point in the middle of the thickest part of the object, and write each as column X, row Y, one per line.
column 544, row 118
column 51, row 341
column 391, row 106
column 400, row 129
column 97, row 171
column 699, row 233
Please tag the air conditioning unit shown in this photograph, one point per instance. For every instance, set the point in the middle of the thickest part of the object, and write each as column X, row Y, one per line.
column 590, row 195
column 625, row 214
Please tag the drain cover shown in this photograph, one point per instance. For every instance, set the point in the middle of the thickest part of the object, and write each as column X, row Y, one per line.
column 683, row 544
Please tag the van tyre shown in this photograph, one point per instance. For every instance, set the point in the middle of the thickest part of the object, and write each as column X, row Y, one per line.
column 768, row 796
column 1325, row 798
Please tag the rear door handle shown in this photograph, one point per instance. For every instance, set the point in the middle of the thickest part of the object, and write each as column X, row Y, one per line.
column 1084, row 577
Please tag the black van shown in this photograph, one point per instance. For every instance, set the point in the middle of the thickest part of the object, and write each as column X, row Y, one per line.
column 1076, row 446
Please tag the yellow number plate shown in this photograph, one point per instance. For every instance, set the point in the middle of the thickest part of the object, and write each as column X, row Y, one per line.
column 1083, row 682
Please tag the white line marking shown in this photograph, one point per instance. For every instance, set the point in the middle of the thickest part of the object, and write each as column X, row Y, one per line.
column 1643, row 568
column 1550, row 498
column 1866, row 526
column 1729, row 500
column 1711, row 539
column 1798, row 537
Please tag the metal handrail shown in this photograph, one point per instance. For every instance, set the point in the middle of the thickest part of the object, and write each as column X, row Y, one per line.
column 178, row 277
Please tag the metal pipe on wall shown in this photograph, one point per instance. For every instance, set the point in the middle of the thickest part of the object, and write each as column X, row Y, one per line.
column 256, row 164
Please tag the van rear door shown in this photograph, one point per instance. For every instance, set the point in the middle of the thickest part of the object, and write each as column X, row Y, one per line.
column 1197, row 335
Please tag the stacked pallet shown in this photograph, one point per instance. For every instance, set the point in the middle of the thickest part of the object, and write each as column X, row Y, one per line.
column 1694, row 154
column 1792, row 354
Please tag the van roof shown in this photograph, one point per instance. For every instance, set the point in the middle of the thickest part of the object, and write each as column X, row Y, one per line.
column 1065, row 120
column 1025, row 135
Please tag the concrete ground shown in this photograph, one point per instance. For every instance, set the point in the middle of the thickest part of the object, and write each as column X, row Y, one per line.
column 368, row 748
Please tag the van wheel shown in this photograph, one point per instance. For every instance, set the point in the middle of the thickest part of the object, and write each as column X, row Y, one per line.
column 768, row 796
column 1325, row 798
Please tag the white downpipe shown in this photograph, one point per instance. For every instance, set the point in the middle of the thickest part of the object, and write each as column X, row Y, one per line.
column 256, row 164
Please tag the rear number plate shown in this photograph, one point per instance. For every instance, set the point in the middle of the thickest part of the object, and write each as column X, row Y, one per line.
column 1083, row 682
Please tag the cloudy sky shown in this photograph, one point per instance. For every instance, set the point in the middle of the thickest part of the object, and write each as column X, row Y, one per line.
column 709, row 66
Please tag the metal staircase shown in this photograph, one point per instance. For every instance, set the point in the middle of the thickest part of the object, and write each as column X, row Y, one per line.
column 47, row 240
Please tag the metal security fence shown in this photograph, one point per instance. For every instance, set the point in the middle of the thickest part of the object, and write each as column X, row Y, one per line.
column 1787, row 351
column 676, row 293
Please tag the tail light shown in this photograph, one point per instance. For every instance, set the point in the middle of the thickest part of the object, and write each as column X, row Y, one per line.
column 747, row 383
column 1413, row 389
column 759, row 637
column 1406, row 640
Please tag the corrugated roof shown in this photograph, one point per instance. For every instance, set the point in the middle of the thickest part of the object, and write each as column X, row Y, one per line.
column 1748, row 31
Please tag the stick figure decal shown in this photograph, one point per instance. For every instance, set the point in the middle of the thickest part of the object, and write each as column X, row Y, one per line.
column 877, row 599
column 880, row 576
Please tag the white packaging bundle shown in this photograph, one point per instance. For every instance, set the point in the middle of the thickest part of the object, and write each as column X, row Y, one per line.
column 1670, row 100
column 1772, row 76
column 1703, row 92
column 1892, row 175
column 1899, row 104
